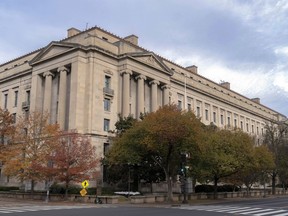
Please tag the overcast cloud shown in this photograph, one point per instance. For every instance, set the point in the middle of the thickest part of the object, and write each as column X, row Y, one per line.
column 244, row 42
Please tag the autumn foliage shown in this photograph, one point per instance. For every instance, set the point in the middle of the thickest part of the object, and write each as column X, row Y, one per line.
column 74, row 160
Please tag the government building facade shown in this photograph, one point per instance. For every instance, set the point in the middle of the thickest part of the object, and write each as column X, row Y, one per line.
column 85, row 80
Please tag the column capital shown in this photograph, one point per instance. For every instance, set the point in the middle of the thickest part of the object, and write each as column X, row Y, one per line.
column 47, row 73
column 126, row 71
column 140, row 77
column 62, row 69
column 166, row 86
column 156, row 82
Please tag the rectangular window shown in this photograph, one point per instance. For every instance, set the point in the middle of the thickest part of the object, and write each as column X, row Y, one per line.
column 14, row 117
column 28, row 96
column 107, row 104
column 198, row 112
column 229, row 123
column 5, row 101
column 189, row 107
column 222, row 119
column 206, row 115
column 214, row 117
column 106, row 125
column 235, row 123
column 107, row 82
column 241, row 123
column 247, row 127
column 179, row 105
column 106, row 148
column 262, row 131
column 16, row 98
column 252, row 128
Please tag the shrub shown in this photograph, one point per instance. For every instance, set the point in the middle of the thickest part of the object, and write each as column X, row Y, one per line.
column 210, row 188
column 4, row 188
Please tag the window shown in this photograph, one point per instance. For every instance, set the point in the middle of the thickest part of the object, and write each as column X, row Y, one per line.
column 262, row 131
column 206, row 115
column 107, row 82
column 179, row 105
column 198, row 111
column 14, row 117
column 28, row 96
column 189, row 107
column 247, row 127
column 106, row 148
column 257, row 130
column 252, row 128
column 235, row 123
column 16, row 98
column 5, row 101
column 222, row 119
column 229, row 123
column 106, row 124
column 107, row 104
column 214, row 117
column 241, row 123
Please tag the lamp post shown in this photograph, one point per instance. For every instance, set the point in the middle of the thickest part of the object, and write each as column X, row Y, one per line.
column 184, row 177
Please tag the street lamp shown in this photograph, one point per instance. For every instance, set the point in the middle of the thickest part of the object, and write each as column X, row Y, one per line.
column 184, row 176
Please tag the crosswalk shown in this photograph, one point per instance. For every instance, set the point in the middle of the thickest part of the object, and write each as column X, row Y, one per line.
column 34, row 208
column 238, row 210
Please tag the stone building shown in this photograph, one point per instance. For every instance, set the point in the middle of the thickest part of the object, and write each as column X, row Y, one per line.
column 86, row 79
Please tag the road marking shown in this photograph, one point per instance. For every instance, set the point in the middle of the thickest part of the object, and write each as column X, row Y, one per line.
column 274, row 212
column 14, row 209
column 238, row 210
column 261, row 210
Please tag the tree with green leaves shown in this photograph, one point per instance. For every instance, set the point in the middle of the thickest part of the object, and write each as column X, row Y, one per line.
column 224, row 153
column 163, row 136
column 259, row 162
column 275, row 139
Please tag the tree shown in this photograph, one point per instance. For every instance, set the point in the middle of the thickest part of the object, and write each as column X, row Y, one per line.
column 74, row 160
column 259, row 162
column 224, row 153
column 7, row 130
column 33, row 142
column 274, row 139
column 6, row 126
column 162, row 135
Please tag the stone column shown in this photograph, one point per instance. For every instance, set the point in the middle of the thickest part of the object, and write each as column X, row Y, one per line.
column 140, row 94
column 154, row 100
column 47, row 91
column 165, row 89
column 126, row 92
column 62, row 97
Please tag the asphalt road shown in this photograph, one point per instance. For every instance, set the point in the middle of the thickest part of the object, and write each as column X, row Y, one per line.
column 254, row 207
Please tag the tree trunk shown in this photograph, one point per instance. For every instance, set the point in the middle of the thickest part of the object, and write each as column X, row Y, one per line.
column 169, row 192
column 66, row 190
column 215, row 195
column 274, row 183
column 32, row 187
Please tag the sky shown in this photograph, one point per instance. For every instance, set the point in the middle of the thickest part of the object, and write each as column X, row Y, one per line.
column 244, row 42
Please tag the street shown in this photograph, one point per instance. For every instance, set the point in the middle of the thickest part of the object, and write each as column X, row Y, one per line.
column 253, row 207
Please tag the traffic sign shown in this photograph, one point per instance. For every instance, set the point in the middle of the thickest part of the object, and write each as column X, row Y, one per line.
column 85, row 184
column 83, row 192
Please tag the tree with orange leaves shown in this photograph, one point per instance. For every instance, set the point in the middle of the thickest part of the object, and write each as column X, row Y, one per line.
column 7, row 130
column 75, row 159
column 35, row 139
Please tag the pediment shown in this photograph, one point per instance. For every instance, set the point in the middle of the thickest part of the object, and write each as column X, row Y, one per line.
column 152, row 60
column 52, row 50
